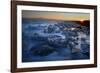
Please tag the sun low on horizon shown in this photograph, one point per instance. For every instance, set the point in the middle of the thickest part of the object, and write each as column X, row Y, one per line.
column 66, row 16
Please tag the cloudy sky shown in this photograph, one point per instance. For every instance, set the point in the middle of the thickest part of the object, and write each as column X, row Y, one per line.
column 56, row 15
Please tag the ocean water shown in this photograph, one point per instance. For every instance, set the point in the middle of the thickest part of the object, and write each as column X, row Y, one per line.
column 51, row 40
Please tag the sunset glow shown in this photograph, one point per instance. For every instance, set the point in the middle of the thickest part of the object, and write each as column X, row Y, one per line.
column 71, row 16
column 81, row 20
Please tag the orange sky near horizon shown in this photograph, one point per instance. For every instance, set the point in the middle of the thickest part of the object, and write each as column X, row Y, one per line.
column 56, row 15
